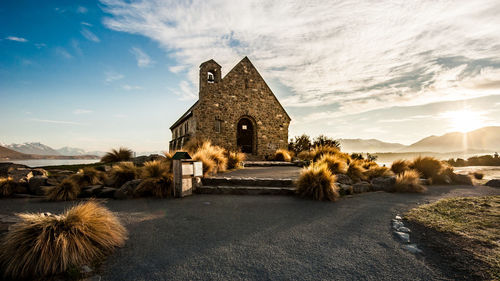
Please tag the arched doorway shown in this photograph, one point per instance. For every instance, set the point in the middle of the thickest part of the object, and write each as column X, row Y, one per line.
column 245, row 135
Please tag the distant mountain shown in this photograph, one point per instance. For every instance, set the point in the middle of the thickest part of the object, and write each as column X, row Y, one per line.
column 6, row 153
column 33, row 148
column 371, row 145
column 71, row 151
column 486, row 139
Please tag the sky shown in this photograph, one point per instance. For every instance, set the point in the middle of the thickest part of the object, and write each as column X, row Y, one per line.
column 102, row 74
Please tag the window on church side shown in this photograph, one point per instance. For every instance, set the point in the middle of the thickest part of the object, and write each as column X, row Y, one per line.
column 186, row 127
column 218, row 125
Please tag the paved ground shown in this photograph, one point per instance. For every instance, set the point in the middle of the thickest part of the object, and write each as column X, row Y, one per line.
column 286, row 172
column 229, row 237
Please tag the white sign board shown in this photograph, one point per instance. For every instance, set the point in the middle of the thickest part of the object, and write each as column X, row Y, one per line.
column 198, row 169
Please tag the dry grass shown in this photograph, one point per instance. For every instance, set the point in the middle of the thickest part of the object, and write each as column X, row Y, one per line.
column 428, row 167
column 155, row 169
column 87, row 176
column 356, row 171
column 194, row 144
column 123, row 172
column 335, row 164
column 7, row 186
column 213, row 158
column 122, row 154
column 377, row 171
column 44, row 244
column 409, row 181
column 160, row 187
column 283, row 155
column 305, row 156
column 67, row 190
column 320, row 150
column 235, row 160
column 317, row 182
column 400, row 166
column 475, row 219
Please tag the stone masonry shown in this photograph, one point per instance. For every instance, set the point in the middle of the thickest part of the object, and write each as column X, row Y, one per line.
column 242, row 98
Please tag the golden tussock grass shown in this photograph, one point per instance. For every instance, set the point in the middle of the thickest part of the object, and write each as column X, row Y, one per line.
column 335, row 164
column 194, row 144
column 122, row 154
column 87, row 176
column 44, row 244
column 428, row 167
column 67, row 190
column 155, row 169
column 160, row 187
column 400, row 166
column 7, row 186
column 283, row 155
column 305, row 156
column 318, row 183
column 356, row 171
column 409, row 181
column 213, row 158
column 378, row 171
column 123, row 172
column 319, row 150
column 235, row 160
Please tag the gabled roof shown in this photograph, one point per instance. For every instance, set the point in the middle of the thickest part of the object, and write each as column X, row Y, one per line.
column 212, row 61
column 184, row 116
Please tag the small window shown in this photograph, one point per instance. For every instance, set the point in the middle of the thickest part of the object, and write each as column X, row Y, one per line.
column 243, row 127
column 218, row 126
column 210, row 77
column 186, row 127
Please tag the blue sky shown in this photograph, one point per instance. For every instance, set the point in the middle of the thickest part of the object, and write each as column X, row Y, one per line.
column 100, row 74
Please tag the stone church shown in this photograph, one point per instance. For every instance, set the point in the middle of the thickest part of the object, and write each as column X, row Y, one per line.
column 238, row 112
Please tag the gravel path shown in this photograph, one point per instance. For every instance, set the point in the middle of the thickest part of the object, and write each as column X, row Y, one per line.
column 217, row 237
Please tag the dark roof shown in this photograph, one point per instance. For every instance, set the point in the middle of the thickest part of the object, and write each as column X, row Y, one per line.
column 184, row 116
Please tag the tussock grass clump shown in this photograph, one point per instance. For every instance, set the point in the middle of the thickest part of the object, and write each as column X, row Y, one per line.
column 123, row 172
column 160, row 187
column 320, row 150
column 235, row 160
column 356, row 171
column 335, row 164
column 366, row 164
column 87, row 176
column 428, row 167
column 213, row 158
column 44, row 244
column 122, row 154
column 317, row 182
column 305, row 156
column 67, row 190
column 409, row 181
column 7, row 186
column 155, row 169
column 378, row 171
column 400, row 166
column 194, row 144
column 283, row 155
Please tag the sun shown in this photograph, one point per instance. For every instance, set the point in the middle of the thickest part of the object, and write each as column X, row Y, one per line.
column 464, row 120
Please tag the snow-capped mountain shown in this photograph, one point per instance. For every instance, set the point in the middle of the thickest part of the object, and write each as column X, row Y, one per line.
column 71, row 151
column 33, row 148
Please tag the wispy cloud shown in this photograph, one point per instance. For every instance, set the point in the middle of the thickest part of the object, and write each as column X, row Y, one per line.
column 40, row 45
column 81, row 10
column 17, row 39
column 186, row 91
column 86, row 23
column 131, row 87
column 55, row 121
column 338, row 53
column 89, row 35
column 82, row 111
column 111, row 76
column 143, row 59
column 62, row 52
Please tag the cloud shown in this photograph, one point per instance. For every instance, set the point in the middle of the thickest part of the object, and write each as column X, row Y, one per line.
column 89, row 35
column 60, row 51
column 17, row 39
column 82, row 111
column 143, row 60
column 55, row 121
column 350, row 55
column 81, row 10
column 86, row 23
column 186, row 91
column 130, row 87
column 40, row 45
column 112, row 76
column 76, row 47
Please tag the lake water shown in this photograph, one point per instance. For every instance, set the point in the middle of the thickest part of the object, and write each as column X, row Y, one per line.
column 52, row 162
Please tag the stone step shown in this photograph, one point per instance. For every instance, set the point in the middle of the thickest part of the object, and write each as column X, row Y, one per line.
column 220, row 181
column 245, row 190
column 267, row 164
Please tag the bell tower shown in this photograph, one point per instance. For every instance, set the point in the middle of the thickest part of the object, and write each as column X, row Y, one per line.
column 210, row 75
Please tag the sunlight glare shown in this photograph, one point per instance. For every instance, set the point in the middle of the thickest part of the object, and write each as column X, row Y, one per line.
column 464, row 120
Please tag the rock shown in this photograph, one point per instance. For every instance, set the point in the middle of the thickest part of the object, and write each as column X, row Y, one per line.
column 404, row 229
column 462, row 179
column 397, row 224
column 107, row 192
column 429, row 182
column 383, row 183
column 344, row 179
column 361, row 187
column 35, row 183
column 404, row 237
column 109, row 181
column 5, row 167
column 493, row 183
column 93, row 278
column 20, row 188
column 398, row 217
column 412, row 248
column 85, row 269
column 127, row 189
column 345, row 189
column 40, row 172
column 21, row 175
column 90, row 191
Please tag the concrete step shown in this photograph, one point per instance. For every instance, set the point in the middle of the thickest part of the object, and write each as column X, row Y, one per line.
column 267, row 163
column 245, row 190
column 220, row 181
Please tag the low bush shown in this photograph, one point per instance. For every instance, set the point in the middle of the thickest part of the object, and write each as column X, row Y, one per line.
column 400, row 166
column 123, row 172
column 409, row 181
column 122, row 154
column 283, row 155
column 378, row 171
column 67, row 190
column 317, row 182
column 428, row 167
column 356, row 171
column 7, row 186
column 235, row 160
column 335, row 164
column 43, row 244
